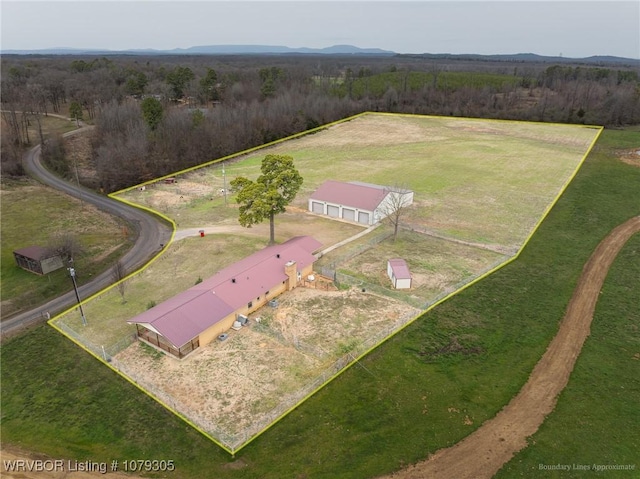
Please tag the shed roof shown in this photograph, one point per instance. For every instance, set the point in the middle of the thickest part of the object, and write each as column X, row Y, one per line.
column 358, row 195
column 37, row 253
column 400, row 268
column 186, row 315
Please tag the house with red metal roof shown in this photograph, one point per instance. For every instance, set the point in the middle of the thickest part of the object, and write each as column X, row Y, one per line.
column 197, row 316
column 362, row 203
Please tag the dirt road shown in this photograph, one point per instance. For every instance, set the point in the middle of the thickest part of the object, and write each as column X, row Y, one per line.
column 484, row 452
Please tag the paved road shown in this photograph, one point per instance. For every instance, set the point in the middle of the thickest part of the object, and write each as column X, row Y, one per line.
column 150, row 230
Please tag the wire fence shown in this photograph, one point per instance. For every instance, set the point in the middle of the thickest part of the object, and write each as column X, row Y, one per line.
column 233, row 441
column 355, row 250
column 344, row 279
column 496, row 248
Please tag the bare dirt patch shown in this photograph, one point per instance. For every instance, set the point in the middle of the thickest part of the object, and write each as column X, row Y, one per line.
column 631, row 157
column 485, row 451
column 332, row 322
column 180, row 193
column 230, row 386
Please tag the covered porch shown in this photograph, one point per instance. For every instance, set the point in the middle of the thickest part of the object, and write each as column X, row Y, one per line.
column 158, row 341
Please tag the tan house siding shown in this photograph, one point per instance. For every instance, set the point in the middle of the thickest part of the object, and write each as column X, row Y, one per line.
column 258, row 303
column 226, row 293
column 220, row 327
column 217, row 329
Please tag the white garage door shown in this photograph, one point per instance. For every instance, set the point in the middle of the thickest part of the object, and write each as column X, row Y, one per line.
column 317, row 207
column 349, row 214
column 333, row 211
column 363, row 217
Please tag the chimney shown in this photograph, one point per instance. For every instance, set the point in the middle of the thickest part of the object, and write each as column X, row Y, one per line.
column 291, row 271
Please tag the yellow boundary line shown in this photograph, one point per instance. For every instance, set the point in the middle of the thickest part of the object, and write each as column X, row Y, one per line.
column 52, row 322
column 131, row 381
column 239, row 154
column 450, row 295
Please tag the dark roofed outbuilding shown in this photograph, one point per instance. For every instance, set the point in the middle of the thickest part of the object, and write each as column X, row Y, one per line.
column 37, row 259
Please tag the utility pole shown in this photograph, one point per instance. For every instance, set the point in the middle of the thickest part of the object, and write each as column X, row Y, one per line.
column 72, row 272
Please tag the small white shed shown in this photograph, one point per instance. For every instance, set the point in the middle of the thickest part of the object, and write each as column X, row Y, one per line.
column 399, row 273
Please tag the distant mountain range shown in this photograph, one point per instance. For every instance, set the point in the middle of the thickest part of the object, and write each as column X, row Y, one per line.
column 333, row 50
column 210, row 50
column 529, row 57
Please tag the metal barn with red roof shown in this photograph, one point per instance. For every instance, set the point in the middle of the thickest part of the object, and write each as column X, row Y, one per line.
column 362, row 203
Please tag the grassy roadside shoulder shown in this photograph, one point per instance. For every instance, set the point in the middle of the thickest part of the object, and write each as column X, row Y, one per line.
column 424, row 389
column 33, row 214
column 596, row 421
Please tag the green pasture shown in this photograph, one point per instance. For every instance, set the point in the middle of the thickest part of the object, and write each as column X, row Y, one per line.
column 405, row 400
column 476, row 180
column 596, row 420
column 36, row 215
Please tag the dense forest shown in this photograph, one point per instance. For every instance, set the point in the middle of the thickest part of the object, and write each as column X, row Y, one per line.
column 159, row 114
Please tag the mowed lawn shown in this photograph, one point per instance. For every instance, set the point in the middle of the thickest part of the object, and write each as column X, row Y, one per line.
column 477, row 180
column 185, row 262
column 404, row 401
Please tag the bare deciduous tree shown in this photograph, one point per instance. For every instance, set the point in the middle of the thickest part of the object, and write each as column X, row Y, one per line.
column 303, row 94
column 119, row 273
column 395, row 205
column 66, row 245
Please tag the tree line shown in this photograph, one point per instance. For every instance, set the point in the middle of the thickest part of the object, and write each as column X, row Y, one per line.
column 158, row 114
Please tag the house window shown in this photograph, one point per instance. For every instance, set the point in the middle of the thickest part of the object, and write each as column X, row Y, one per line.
column 250, row 305
column 266, row 294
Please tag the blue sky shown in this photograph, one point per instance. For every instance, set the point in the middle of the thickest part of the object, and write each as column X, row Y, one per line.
column 568, row 28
